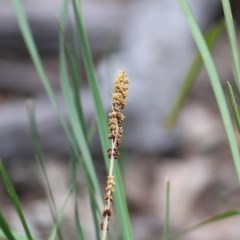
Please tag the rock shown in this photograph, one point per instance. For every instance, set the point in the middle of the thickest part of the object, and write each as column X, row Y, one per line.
column 15, row 73
column 102, row 22
column 152, row 58
column 15, row 138
column 16, row 141
column 157, row 50
column 202, row 129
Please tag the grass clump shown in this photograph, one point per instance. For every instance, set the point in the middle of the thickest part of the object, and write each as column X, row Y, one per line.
column 78, row 134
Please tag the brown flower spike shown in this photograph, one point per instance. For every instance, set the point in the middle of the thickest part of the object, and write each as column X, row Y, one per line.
column 116, row 119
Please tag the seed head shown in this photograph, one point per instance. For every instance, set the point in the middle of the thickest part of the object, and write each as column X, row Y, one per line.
column 115, row 127
column 116, row 118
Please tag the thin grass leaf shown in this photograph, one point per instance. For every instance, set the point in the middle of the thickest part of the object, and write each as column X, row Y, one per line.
column 94, row 206
column 76, row 121
column 71, row 62
column 40, row 161
column 74, row 107
column 5, row 232
column 17, row 236
column 63, row 69
column 74, row 172
column 78, row 225
column 75, row 80
column 167, row 211
column 93, row 184
column 211, row 38
column 31, row 46
column 92, row 198
column 95, row 211
column 120, row 203
column 77, row 126
column 216, row 84
column 15, row 201
column 233, row 105
column 53, row 233
column 91, row 76
column 211, row 220
column 81, row 139
column 233, row 39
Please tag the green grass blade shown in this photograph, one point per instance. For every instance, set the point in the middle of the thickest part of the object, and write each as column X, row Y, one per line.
column 92, row 80
column 72, row 98
column 83, row 145
column 71, row 59
column 76, row 86
column 216, row 84
column 120, row 201
column 121, row 205
column 77, row 126
column 38, row 152
column 5, row 232
column 76, row 122
column 74, row 168
column 17, row 236
column 167, row 210
column 53, row 233
column 81, row 139
column 233, row 105
column 15, row 201
column 211, row 38
column 95, row 211
column 79, row 230
column 31, row 46
column 40, row 161
column 233, row 39
column 211, row 220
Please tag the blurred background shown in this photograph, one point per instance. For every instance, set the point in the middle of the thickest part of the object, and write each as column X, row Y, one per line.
column 151, row 40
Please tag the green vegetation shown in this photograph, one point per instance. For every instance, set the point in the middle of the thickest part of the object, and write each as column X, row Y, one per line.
column 79, row 136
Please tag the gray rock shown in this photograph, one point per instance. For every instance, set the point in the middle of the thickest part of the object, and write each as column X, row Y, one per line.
column 155, row 47
column 157, row 50
column 102, row 24
column 15, row 137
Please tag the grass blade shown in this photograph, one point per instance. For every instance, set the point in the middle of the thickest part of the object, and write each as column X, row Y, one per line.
column 77, row 126
column 95, row 211
column 31, row 46
column 79, row 230
column 233, row 105
column 75, row 111
column 76, row 86
column 82, row 141
column 92, row 80
column 16, row 235
column 233, row 40
column 120, row 203
column 15, row 201
column 216, row 84
column 53, row 233
column 74, row 105
column 40, row 161
column 214, row 219
column 5, row 232
column 211, row 38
